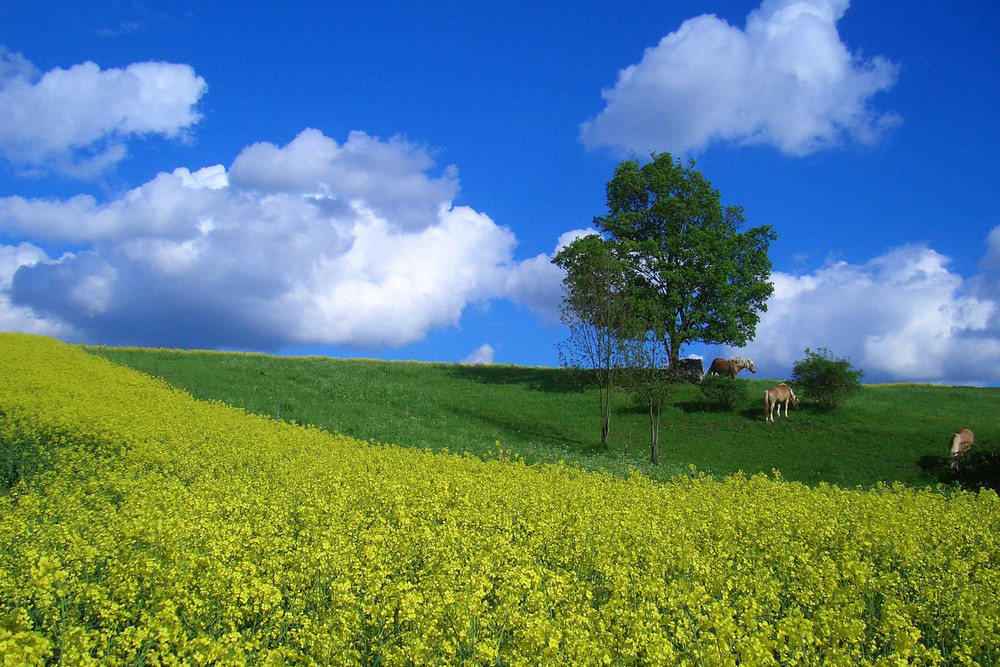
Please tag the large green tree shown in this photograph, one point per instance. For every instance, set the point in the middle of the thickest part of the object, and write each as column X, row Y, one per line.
column 694, row 275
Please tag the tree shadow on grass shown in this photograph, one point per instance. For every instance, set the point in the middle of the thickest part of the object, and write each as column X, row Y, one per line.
column 756, row 413
column 526, row 429
column 702, row 404
column 978, row 469
column 552, row 380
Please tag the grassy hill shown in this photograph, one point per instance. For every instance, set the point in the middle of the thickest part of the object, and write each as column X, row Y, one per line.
column 884, row 433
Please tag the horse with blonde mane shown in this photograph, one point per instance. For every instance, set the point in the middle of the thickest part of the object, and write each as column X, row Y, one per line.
column 731, row 366
column 775, row 397
column 961, row 442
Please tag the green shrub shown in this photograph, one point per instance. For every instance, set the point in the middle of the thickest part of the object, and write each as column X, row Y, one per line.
column 723, row 393
column 826, row 379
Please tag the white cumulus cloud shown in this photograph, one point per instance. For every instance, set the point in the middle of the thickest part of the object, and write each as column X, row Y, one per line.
column 537, row 282
column 16, row 318
column 785, row 80
column 390, row 177
column 360, row 245
column 77, row 121
column 901, row 316
column 481, row 355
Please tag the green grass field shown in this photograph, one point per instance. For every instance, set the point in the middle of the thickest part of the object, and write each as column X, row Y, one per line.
column 884, row 433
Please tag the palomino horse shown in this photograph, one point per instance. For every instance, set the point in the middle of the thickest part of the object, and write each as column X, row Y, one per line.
column 775, row 396
column 961, row 442
column 731, row 367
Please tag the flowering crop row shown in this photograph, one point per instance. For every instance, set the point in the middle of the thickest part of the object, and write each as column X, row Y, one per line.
column 156, row 529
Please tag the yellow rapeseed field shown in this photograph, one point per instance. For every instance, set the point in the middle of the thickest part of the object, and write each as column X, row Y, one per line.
column 162, row 530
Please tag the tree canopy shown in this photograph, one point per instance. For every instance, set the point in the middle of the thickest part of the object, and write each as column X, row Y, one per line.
column 694, row 275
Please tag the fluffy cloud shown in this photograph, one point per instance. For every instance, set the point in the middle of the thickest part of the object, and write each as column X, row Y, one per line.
column 786, row 80
column 537, row 282
column 902, row 316
column 170, row 206
column 76, row 121
column 389, row 176
column 14, row 318
column 312, row 242
column 481, row 355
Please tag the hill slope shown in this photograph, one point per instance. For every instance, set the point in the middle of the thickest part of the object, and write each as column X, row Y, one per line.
column 885, row 433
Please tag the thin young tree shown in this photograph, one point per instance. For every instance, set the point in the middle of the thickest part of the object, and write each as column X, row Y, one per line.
column 598, row 312
column 648, row 376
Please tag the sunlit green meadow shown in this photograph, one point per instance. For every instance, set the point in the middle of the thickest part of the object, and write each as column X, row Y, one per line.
column 883, row 434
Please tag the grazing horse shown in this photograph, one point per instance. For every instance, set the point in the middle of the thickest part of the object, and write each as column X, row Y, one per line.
column 775, row 396
column 730, row 367
column 961, row 443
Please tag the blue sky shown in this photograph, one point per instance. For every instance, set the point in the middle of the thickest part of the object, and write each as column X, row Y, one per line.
column 389, row 180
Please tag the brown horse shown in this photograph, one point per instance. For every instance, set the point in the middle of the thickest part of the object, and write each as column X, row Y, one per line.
column 775, row 396
column 730, row 367
column 961, row 443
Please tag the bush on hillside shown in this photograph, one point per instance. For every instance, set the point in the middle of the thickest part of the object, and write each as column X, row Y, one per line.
column 826, row 379
column 977, row 469
column 723, row 393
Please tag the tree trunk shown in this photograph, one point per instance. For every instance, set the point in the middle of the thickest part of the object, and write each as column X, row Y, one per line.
column 654, row 434
column 673, row 351
column 605, row 415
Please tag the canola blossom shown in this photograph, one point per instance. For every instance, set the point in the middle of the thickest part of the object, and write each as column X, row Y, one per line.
column 140, row 526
